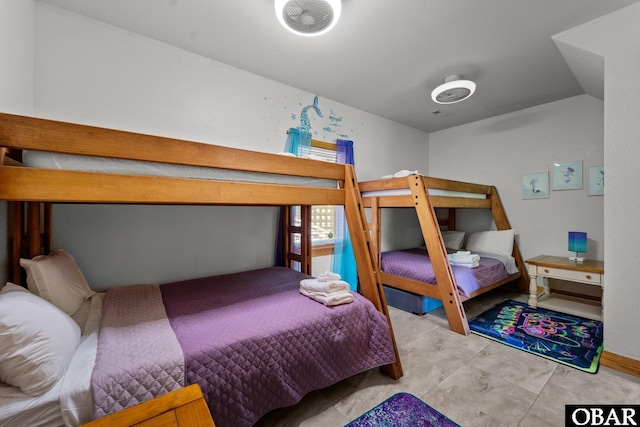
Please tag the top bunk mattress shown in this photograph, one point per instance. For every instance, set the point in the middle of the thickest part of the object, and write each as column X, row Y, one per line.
column 49, row 160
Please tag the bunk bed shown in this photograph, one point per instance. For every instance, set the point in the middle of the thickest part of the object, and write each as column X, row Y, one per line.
column 429, row 196
column 248, row 179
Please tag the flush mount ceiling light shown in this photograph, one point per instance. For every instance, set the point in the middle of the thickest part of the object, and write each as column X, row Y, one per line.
column 454, row 89
column 308, row 17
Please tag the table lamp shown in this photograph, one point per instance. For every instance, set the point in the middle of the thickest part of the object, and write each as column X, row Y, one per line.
column 577, row 243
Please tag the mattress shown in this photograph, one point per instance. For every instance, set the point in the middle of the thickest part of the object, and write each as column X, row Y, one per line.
column 48, row 160
column 415, row 264
column 432, row 192
column 251, row 341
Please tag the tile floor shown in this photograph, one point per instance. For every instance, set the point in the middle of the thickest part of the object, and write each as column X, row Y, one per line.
column 471, row 379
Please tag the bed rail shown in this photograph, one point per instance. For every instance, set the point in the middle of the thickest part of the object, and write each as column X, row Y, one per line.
column 29, row 133
column 33, row 184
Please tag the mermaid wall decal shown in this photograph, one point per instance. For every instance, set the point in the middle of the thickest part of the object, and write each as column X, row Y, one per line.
column 305, row 125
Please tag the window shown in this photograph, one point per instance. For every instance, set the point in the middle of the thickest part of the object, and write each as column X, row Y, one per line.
column 323, row 218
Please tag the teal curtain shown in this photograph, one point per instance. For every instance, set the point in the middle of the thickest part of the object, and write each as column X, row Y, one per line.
column 298, row 142
column 344, row 260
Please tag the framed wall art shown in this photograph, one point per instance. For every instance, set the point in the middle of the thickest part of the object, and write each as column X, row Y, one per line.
column 596, row 181
column 535, row 185
column 567, row 175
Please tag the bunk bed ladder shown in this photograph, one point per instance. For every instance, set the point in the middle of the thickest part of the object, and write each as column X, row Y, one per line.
column 435, row 245
column 365, row 255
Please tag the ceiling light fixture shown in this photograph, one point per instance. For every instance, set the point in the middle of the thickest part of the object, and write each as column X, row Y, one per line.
column 454, row 89
column 308, row 17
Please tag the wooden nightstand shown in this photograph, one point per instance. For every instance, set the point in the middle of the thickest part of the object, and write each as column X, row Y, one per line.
column 554, row 267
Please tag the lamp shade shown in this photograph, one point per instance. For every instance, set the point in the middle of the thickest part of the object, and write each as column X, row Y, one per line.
column 577, row 241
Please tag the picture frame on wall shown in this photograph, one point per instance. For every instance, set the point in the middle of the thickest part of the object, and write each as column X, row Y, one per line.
column 567, row 175
column 596, row 180
column 535, row 185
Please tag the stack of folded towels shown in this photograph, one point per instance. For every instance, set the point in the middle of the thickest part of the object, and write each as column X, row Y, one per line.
column 464, row 259
column 327, row 289
column 400, row 174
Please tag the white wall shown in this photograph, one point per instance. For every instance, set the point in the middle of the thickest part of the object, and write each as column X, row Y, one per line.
column 16, row 83
column 499, row 150
column 89, row 72
column 616, row 37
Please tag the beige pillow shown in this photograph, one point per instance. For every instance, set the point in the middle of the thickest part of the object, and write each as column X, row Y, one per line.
column 12, row 287
column 453, row 239
column 37, row 341
column 499, row 242
column 57, row 279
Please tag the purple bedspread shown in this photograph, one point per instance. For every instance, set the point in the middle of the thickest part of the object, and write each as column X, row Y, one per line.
column 415, row 264
column 254, row 343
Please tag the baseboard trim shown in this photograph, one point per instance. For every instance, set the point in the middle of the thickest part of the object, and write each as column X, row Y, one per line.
column 620, row 363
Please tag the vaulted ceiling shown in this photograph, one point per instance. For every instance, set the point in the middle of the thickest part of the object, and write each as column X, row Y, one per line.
column 385, row 57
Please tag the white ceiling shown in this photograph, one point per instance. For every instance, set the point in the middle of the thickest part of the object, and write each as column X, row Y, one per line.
column 384, row 56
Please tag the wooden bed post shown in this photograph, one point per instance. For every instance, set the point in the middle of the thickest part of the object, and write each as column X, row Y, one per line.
column 374, row 229
column 305, row 239
column 502, row 223
column 17, row 231
column 435, row 245
column 47, row 229
column 33, row 229
column 368, row 273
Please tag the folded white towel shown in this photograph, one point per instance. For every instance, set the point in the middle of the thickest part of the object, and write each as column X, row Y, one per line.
column 404, row 172
column 461, row 253
column 328, row 276
column 464, row 259
column 314, row 285
column 333, row 299
column 466, row 264
column 400, row 174
column 463, row 256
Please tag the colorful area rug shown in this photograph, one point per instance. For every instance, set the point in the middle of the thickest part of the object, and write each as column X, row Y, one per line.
column 402, row 410
column 563, row 338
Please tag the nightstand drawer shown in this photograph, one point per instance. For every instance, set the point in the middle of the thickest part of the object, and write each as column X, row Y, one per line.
column 572, row 275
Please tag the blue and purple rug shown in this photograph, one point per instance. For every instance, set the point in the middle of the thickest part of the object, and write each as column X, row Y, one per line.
column 402, row 410
column 571, row 340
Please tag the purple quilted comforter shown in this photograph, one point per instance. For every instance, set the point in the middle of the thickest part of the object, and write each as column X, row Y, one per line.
column 415, row 264
column 254, row 343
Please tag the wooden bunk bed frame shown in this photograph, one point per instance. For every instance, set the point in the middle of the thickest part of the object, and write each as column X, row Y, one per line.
column 425, row 206
column 32, row 191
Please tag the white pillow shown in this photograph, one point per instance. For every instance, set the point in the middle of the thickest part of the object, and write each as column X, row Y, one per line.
column 453, row 239
column 57, row 278
column 499, row 242
column 37, row 341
